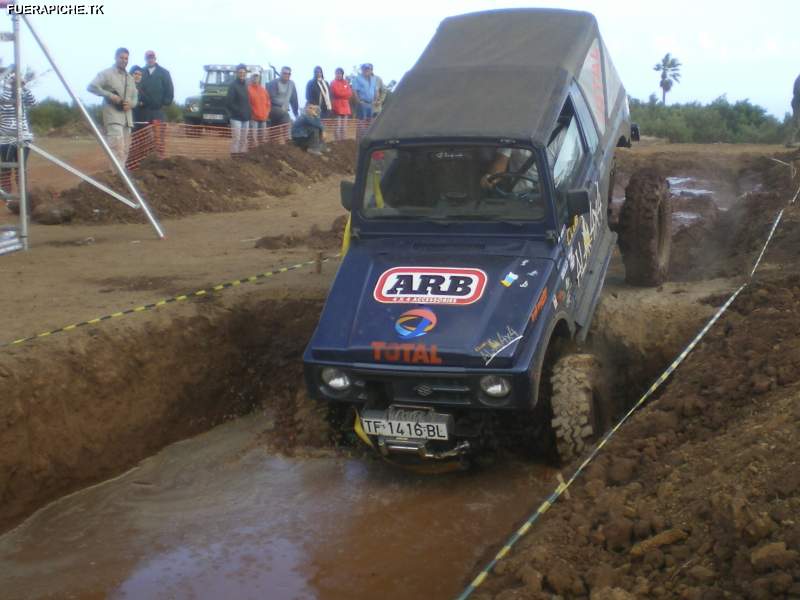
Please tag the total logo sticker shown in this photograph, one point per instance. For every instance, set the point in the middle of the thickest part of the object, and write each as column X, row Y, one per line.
column 415, row 323
column 430, row 285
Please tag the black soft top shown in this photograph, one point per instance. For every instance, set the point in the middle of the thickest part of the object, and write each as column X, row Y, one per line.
column 495, row 74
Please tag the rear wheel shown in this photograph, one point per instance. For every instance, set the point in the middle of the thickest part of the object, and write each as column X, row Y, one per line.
column 577, row 415
column 645, row 229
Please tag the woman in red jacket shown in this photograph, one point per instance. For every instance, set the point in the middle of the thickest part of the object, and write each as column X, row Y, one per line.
column 259, row 106
column 341, row 92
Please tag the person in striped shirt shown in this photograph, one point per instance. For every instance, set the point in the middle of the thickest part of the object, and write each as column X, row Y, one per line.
column 8, row 126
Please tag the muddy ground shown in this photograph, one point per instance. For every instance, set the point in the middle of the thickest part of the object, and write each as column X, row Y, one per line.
column 88, row 404
column 698, row 495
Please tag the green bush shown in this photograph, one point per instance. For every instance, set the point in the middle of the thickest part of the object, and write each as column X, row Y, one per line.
column 719, row 121
column 50, row 114
column 174, row 113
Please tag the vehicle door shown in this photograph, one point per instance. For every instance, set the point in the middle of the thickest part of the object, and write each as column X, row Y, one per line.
column 572, row 152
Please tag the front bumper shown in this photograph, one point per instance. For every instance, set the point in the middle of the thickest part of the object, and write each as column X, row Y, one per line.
column 452, row 389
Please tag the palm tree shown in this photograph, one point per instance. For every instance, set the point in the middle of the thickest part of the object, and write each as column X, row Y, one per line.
column 670, row 69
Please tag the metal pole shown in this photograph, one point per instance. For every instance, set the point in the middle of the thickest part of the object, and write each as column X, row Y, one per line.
column 120, row 168
column 77, row 173
column 21, row 179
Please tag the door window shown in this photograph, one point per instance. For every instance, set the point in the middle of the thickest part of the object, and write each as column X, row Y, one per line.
column 567, row 153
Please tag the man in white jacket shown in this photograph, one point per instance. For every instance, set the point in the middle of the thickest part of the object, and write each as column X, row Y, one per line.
column 118, row 90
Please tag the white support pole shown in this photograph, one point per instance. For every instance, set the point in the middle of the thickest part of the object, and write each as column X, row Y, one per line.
column 100, row 138
column 86, row 178
column 21, row 178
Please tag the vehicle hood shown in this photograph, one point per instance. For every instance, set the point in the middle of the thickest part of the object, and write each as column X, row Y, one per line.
column 459, row 306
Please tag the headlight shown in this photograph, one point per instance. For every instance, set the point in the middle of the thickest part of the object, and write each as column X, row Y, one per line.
column 495, row 386
column 194, row 108
column 335, row 379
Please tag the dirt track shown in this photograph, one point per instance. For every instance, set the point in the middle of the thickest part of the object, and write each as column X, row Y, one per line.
column 70, row 435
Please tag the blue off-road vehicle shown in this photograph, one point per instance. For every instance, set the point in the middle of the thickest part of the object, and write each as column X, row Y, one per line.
column 479, row 242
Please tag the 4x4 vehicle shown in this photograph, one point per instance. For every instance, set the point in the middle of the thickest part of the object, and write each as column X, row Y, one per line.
column 209, row 108
column 479, row 241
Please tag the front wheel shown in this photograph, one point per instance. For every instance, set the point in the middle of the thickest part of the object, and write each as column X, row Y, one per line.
column 577, row 415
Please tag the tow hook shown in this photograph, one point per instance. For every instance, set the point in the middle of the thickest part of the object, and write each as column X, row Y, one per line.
column 420, row 448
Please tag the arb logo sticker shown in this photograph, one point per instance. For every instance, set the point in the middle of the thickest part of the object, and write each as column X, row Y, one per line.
column 430, row 285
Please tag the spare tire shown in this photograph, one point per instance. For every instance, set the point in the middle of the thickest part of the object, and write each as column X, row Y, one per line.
column 645, row 229
column 575, row 403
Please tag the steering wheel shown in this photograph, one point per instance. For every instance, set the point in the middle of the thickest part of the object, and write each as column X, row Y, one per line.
column 526, row 195
column 495, row 178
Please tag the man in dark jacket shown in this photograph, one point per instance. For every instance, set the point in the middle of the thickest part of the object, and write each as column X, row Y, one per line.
column 238, row 104
column 157, row 92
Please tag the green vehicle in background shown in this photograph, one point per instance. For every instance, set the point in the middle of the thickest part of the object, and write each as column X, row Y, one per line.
column 209, row 107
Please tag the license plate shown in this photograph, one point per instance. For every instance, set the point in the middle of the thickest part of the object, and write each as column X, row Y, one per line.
column 414, row 424
column 209, row 117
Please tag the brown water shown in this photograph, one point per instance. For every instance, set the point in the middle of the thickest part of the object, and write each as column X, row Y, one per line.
column 217, row 516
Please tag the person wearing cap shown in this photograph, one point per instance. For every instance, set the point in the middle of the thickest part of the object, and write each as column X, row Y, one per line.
column 283, row 94
column 370, row 92
column 238, row 105
column 118, row 90
column 159, row 93
column 308, row 132
column 141, row 143
column 259, row 109
column 139, row 114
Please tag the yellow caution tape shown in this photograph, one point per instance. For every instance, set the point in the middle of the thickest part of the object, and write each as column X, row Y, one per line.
column 562, row 487
column 165, row 301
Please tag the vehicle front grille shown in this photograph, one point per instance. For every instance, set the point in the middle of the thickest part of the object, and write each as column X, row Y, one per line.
column 433, row 390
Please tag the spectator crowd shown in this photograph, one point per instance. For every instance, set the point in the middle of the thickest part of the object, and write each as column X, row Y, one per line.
column 136, row 98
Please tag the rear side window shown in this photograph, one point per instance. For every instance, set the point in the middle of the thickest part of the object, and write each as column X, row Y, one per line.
column 591, row 82
column 587, row 123
column 613, row 83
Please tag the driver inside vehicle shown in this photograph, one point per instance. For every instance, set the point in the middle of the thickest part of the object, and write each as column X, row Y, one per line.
column 512, row 170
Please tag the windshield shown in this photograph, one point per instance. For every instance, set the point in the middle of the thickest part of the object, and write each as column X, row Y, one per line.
column 453, row 182
column 219, row 77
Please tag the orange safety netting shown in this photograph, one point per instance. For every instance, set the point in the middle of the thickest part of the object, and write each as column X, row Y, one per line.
column 162, row 139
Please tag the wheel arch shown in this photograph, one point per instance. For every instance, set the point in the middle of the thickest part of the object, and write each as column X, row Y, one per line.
column 559, row 334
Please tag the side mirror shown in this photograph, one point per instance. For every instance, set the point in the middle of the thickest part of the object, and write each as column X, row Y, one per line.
column 578, row 202
column 347, row 189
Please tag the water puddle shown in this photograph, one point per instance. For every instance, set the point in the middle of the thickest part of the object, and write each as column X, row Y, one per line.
column 688, row 187
column 217, row 516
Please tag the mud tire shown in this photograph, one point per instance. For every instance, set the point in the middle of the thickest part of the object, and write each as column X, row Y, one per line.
column 576, row 417
column 645, row 229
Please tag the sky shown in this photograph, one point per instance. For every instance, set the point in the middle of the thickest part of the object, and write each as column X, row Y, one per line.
column 744, row 50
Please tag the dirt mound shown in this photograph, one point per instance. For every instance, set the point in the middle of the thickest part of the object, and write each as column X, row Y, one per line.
column 697, row 496
column 315, row 238
column 180, row 186
column 722, row 242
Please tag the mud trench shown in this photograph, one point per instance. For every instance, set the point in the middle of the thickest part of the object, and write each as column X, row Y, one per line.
column 264, row 503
